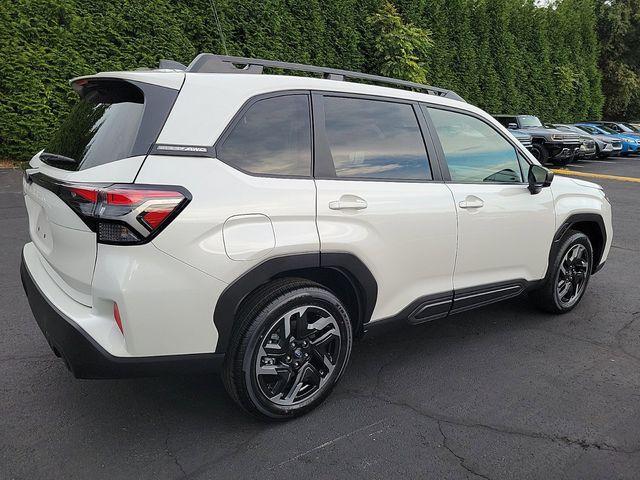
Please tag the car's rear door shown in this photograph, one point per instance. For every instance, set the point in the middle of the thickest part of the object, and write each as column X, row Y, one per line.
column 381, row 198
column 504, row 232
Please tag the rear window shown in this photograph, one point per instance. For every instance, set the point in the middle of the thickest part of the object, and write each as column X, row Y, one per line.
column 112, row 120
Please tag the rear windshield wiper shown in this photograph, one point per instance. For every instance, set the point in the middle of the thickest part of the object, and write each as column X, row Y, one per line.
column 56, row 158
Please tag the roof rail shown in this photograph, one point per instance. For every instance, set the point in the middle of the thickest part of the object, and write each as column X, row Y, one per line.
column 211, row 63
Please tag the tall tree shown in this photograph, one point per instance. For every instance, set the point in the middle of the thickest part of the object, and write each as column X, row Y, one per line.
column 399, row 49
column 619, row 32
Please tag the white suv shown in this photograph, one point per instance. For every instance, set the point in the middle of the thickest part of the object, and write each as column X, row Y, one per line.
column 211, row 217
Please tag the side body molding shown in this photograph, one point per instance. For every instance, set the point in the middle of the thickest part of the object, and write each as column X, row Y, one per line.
column 351, row 268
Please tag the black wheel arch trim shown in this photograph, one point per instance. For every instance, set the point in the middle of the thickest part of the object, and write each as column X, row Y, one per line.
column 598, row 250
column 347, row 264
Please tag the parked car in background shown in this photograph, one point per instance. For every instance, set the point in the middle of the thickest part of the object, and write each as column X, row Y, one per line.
column 524, row 138
column 225, row 230
column 618, row 127
column 634, row 128
column 605, row 146
column 549, row 144
column 630, row 144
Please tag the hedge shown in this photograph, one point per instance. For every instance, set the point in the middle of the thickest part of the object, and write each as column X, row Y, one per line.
column 503, row 55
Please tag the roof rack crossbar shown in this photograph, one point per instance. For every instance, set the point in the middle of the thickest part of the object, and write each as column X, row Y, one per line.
column 211, row 63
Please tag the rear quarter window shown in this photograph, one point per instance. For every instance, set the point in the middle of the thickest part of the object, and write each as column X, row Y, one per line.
column 271, row 137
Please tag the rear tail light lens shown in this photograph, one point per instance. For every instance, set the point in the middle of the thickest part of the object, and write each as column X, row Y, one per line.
column 120, row 214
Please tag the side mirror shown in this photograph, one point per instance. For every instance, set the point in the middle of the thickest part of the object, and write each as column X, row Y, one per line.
column 512, row 126
column 539, row 178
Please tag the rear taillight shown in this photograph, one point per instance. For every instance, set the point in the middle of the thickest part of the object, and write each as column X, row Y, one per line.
column 120, row 214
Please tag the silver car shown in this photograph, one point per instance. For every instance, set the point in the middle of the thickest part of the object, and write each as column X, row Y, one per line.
column 605, row 146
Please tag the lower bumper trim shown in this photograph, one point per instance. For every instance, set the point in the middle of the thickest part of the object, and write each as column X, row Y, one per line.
column 85, row 358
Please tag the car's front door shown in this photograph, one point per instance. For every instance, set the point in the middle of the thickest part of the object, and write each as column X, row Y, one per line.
column 504, row 232
column 380, row 198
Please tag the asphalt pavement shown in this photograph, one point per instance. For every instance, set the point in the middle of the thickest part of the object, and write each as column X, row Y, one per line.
column 504, row 392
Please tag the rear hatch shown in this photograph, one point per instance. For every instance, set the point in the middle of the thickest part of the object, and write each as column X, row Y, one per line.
column 103, row 141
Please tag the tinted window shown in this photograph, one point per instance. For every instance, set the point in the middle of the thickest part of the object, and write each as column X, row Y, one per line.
column 529, row 121
column 272, row 137
column 375, row 139
column 109, row 122
column 474, row 151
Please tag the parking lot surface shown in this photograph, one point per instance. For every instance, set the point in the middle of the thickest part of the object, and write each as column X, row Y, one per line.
column 504, row 392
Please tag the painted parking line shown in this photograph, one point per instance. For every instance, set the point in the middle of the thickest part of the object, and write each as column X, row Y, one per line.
column 602, row 176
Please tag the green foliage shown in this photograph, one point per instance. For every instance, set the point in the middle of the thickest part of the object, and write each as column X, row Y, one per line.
column 619, row 32
column 398, row 49
column 47, row 42
column 506, row 56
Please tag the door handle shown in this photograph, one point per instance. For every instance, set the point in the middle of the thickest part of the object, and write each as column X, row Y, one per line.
column 471, row 202
column 348, row 202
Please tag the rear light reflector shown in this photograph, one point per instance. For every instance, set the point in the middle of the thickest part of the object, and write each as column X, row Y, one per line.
column 116, row 317
column 121, row 214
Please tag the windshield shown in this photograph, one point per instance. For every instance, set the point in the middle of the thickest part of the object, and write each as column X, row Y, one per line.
column 529, row 121
column 607, row 130
column 112, row 120
column 632, row 127
column 588, row 129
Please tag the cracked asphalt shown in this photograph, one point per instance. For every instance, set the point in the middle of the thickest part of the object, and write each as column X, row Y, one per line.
column 504, row 392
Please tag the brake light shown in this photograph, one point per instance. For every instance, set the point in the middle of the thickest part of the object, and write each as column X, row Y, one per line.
column 121, row 213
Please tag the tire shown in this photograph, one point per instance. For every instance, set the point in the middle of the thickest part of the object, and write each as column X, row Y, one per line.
column 309, row 362
column 540, row 153
column 566, row 273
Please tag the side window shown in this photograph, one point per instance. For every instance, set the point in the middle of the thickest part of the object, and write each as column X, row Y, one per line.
column 375, row 139
column 524, row 166
column 272, row 137
column 474, row 151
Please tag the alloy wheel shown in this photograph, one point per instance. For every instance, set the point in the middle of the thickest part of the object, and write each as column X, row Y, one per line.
column 573, row 275
column 297, row 355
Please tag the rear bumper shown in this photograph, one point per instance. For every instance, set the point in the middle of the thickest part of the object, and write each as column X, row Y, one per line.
column 85, row 358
